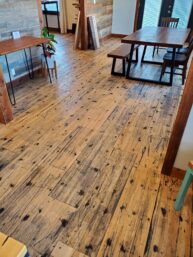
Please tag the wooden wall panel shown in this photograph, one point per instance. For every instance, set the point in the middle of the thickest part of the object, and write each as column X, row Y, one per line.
column 102, row 10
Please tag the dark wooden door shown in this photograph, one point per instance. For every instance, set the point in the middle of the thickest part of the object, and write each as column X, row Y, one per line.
column 140, row 14
column 166, row 8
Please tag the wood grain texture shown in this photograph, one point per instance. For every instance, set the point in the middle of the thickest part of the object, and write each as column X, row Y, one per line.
column 102, row 10
column 159, row 36
column 80, row 166
column 14, row 45
column 40, row 13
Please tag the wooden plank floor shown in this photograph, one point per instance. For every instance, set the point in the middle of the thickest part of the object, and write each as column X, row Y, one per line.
column 80, row 166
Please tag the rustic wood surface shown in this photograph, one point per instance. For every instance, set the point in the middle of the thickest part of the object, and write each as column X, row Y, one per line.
column 14, row 45
column 6, row 114
column 159, row 36
column 80, row 166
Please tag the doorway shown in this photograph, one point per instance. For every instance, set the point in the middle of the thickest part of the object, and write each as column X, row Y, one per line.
column 152, row 11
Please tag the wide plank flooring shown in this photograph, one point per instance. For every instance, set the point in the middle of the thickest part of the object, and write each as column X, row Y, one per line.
column 80, row 165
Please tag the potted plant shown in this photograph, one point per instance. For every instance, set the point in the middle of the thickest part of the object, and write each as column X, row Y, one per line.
column 49, row 48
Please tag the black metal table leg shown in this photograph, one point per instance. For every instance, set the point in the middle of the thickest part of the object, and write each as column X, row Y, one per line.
column 130, row 61
column 46, row 63
column 11, row 84
column 124, row 67
column 30, row 76
column 113, row 66
column 32, row 68
column 172, row 66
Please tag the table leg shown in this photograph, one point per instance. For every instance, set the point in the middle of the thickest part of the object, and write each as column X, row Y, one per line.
column 30, row 76
column 11, row 84
column 46, row 62
column 130, row 61
column 172, row 66
column 32, row 68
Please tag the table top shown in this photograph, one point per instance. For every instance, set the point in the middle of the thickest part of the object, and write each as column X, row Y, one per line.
column 14, row 45
column 158, row 36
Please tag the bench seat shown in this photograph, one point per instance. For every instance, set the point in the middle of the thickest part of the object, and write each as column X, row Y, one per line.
column 123, row 53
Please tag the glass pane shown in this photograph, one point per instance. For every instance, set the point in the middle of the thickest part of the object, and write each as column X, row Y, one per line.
column 50, row 7
column 151, row 12
column 182, row 10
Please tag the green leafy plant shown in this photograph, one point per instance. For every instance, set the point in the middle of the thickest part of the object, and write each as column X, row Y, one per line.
column 50, row 48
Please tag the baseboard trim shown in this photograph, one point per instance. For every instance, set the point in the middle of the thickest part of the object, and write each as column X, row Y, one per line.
column 118, row 35
column 178, row 173
column 54, row 30
column 105, row 38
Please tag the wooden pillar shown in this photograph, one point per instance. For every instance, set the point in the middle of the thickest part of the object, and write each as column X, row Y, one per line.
column 136, row 15
column 180, row 124
column 83, row 25
column 6, row 114
column 40, row 13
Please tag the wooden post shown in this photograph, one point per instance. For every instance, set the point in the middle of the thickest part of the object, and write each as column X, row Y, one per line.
column 180, row 124
column 6, row 113
column 83, row 25
column 136, row 15
column 40, row 13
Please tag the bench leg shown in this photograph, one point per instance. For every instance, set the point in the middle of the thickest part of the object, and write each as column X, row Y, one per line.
column 124, row 67
column 113, row 72
column 137, row 54
column 144, row 52
column 183, row 190
column 113, row 66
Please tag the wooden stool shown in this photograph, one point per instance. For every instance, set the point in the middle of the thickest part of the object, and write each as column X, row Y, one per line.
column 54, row 71
column 53, row 68
column 184, row 187
column 10, row 247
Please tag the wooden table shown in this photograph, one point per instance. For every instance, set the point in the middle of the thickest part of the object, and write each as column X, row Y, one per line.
column 156, row 36
column 14, row 45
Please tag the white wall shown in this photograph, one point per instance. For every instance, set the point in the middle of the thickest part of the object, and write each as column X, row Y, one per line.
column 71, row 13
column 123, row 16
column 52, row 21
column 185, row 153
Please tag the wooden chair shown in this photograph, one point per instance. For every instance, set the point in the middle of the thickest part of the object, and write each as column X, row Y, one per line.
column 183, row 50
column 168, row 23
column 165, row 22
column 180, row 60
column 184, row 187
column 122, row 53
column 53, row 69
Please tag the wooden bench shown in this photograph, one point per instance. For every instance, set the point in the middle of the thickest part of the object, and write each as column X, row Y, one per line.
column 122, row 53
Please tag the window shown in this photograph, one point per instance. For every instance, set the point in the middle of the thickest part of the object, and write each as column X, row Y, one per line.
column 52, row 7
column 182, row 10
column 151, row 12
